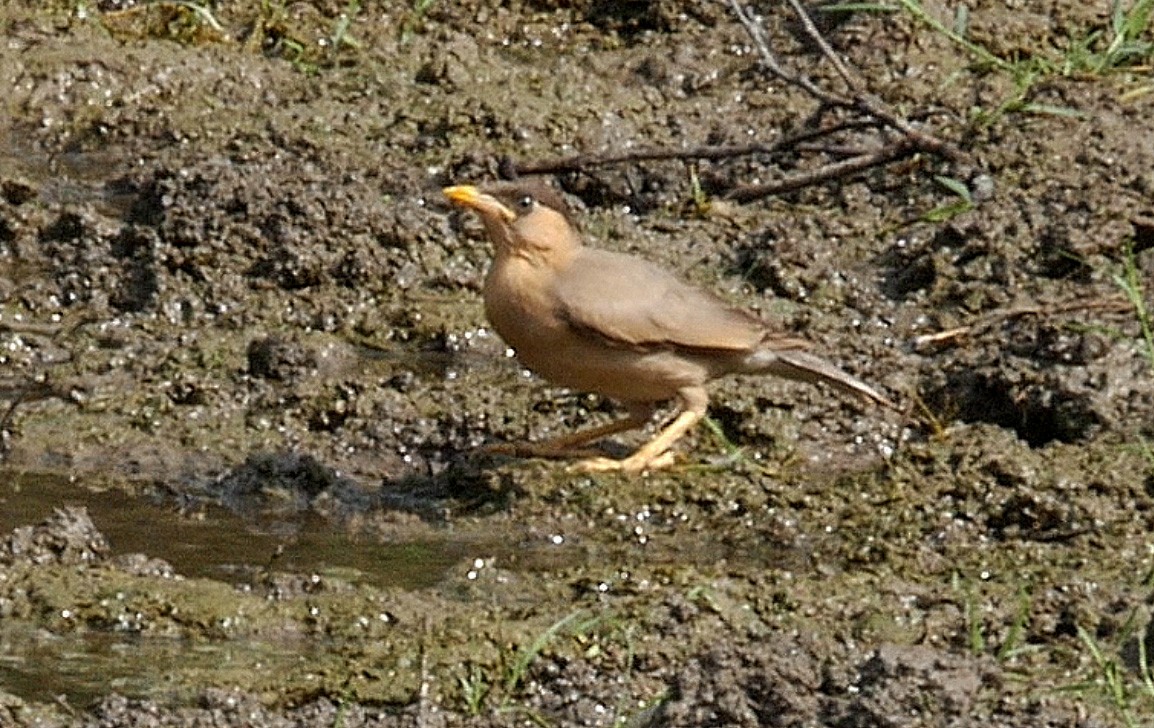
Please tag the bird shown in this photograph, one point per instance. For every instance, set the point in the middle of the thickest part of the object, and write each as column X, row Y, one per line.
column 595, row 320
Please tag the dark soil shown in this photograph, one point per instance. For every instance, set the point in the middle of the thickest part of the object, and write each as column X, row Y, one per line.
column 227, row 279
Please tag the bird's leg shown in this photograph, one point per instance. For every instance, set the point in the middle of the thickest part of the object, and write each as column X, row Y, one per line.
column 655, row 454
column 566, row 445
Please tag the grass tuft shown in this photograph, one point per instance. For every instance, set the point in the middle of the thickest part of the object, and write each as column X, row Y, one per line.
column 1130, row 281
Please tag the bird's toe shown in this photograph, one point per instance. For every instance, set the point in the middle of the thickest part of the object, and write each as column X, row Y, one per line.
column 633, row 464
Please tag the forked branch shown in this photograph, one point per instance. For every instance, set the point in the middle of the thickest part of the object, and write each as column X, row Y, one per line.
column 899, row 137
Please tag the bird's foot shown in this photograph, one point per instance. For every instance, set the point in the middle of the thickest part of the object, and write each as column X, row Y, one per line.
column 636, row 463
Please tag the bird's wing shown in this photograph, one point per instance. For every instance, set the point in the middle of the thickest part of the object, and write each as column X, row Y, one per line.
column 631, row 302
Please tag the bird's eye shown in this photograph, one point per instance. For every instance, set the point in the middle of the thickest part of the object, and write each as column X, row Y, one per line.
column 526, row 202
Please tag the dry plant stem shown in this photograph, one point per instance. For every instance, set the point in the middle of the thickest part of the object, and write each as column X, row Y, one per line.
column 769, row 60
column 835, row 170
column 869, row 104
column 949, row 336
column 873, row 109
column 824, row 45
column 860, row 101
column 583, row 162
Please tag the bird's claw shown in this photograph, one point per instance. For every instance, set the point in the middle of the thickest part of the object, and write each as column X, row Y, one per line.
column 631, row 464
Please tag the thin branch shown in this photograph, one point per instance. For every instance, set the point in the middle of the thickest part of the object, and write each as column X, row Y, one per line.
column 950, row 336
column 862, row 101
column 823, row 44
column 868, row 110
column 924, row 141
column 769, row 60
column 582, row 162
column 834, row 170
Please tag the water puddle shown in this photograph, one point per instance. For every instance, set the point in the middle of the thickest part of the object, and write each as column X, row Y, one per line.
column 78, row 669
column 218, row 544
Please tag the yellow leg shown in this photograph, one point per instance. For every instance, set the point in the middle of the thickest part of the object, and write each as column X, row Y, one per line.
column 655, row 454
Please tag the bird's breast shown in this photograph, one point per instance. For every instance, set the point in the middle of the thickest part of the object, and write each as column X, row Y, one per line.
column 520, row 306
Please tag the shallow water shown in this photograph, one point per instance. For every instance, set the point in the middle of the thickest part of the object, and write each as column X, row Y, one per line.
column 78, row 668
column 217, row 544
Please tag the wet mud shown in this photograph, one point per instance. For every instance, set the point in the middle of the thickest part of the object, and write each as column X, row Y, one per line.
column 245, row 375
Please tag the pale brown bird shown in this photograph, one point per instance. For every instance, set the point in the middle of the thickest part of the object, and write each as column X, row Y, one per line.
column 598, row 321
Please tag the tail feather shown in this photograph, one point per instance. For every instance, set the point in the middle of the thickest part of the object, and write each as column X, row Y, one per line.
column 802, row 366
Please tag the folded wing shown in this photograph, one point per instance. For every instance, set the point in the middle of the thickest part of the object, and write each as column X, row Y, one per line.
column 633, row 303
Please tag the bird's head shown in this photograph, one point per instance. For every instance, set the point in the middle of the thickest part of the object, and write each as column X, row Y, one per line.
column 526, row 218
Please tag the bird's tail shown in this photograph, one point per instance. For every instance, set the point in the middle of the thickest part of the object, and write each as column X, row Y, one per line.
column 802, row 366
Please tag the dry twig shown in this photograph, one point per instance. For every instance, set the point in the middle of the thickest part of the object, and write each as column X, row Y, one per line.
column 903, row 139
column 910, row 141
column 950, row 336
column 583, row 162
column 833, row 170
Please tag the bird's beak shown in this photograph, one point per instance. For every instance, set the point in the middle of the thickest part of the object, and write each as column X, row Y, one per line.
column 487, row 205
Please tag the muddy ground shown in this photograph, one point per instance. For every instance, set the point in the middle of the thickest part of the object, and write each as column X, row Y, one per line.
column 230, row 295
